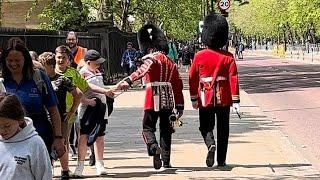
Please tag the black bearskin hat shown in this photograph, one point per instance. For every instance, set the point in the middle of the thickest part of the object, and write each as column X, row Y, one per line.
column 215, row 31
column 149, row 36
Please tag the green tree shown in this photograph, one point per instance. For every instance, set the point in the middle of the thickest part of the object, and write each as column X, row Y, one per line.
column 295, row 18
column 177, row 18
column 65, row 15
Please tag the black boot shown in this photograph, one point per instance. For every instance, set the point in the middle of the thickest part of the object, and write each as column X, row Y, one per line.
column 167, row 165
column 65, row 175
column 210, row 155
column 157, row 163
column 165, row 156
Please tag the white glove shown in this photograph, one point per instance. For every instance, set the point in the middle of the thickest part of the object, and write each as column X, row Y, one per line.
column 236, row 108
column 179, row 113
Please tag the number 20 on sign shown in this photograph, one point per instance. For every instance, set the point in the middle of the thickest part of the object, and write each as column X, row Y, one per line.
column 224, row 4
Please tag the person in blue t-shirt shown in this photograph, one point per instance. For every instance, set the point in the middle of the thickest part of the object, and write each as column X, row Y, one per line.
column 18, row 73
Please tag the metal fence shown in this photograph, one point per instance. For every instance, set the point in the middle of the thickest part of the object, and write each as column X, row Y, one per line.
column 296, row 51
column 41, row 41
column 111, row 43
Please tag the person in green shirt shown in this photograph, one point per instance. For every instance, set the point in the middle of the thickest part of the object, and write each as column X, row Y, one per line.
column 61, row 85
column 63, row 59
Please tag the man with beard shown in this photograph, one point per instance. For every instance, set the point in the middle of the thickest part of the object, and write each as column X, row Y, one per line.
column 78, row 52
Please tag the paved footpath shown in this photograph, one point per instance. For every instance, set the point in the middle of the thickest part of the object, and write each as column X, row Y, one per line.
column 290, row 56
column 257, row 148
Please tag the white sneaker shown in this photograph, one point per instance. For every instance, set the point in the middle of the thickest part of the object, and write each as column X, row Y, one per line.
column 100, row 168
column 79, row 169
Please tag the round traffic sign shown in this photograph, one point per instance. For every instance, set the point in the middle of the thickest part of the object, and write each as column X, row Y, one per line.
column 224, row 4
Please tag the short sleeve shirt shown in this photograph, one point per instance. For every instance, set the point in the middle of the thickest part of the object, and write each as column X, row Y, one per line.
column 96, row 79
column 76, row 80
column 29, row 95
column 61, row 86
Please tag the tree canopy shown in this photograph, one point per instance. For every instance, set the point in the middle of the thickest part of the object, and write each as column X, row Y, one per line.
column 268, row 18
column 177, row 18
column 180, row 18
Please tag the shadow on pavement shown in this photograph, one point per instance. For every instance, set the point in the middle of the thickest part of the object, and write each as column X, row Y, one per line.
column 125, row 127
column 267, row 79
column 176, row 170
column 277, row 177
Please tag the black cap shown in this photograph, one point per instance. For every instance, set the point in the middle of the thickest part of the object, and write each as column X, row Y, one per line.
column 93, row 55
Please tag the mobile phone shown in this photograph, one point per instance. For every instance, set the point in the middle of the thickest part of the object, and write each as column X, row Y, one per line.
column 54, row 155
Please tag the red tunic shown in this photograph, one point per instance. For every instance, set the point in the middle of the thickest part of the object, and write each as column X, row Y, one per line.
column 157, row 67
column 221, row 66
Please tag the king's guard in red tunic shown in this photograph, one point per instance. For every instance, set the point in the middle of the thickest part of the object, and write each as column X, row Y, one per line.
column 214, row 71
column 161, row 76
column 163, row 92
column 213, row 80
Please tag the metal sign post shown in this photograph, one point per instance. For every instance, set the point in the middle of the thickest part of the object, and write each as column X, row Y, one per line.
column 224, row 4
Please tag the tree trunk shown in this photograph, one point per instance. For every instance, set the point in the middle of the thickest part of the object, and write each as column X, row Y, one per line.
column 125, row 9
column 208, row 7
column 105, row 13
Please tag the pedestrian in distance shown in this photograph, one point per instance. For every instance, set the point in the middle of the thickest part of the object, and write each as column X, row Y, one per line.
column 23, row 152
column 163, row 92
column 173, row 52
column 241, row 49
column 128, row 59
column 214, row 87
column 186, row 58
column 236, row 47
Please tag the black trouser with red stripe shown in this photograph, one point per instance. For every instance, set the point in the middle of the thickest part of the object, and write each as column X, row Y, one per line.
column 207, row 123
column 149, row 128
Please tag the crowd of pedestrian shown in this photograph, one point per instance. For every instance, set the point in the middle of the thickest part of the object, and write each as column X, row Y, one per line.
column 51, row 93
column 56, row 104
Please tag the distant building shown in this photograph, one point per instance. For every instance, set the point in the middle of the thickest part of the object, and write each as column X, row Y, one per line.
column 13, row 13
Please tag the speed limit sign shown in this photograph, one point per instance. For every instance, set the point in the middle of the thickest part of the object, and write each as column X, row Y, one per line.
column 224, row 4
